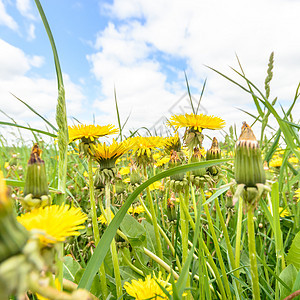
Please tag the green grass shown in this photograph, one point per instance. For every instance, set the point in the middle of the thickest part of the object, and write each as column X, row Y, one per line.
column 207, row 252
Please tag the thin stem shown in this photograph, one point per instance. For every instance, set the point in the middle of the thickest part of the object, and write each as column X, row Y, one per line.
column 164, row 265
column 184, row 233
column 252, row 255
column 154, row 220
column 93, row 202
column 132, row 266
column 113, row 247
column 95, row 226
column 238, row 239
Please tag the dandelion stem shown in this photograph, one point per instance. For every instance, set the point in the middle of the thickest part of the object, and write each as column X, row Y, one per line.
column 113, row 247
column 154, row 221
column 238, row 239
column 95, row 227
column 252, row 255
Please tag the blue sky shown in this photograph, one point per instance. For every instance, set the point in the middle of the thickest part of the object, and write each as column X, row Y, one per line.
column 142, row 48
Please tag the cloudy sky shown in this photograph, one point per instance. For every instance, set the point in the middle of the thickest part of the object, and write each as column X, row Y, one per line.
column 142, row 49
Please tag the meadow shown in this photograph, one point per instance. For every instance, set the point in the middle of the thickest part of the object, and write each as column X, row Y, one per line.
column 96, row 214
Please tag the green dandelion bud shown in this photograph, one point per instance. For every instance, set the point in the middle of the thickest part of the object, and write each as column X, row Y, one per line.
column 198, row 157
column 248, row 162
column 135, row 176
column 36, row 191
column 171, row 208
column 213, row 153
column 120, row 186
column 175, row 161
column 249, row 171
column 13, row 236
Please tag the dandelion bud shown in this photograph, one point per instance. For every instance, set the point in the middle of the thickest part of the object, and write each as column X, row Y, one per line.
column 120, row 186
column 248, row 162
column 135, row 177
column 174, row 162
column 171, row 208
column 197, row 157
column 213, row 153
column 13, row 235
column 249, row 171
column 36, row 191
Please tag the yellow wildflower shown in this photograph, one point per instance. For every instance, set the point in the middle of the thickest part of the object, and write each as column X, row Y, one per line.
column 148, row 288
column 55, row 223
column 102, row 218
column 198, row 122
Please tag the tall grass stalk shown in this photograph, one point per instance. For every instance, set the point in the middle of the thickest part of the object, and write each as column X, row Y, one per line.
column 61, row 114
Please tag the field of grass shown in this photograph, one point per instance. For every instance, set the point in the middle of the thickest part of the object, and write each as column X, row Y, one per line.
column 162, row 217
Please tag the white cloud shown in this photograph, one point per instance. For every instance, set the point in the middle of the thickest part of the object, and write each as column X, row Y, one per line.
column 38, row 92
column 200, row 33
column 6, row 19
column 31, row 32
column 25, row 8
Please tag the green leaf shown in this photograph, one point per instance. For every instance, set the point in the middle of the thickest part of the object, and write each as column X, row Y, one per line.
column 95, row 286
column 34, row 111
column 21, row 183
column 70, row 268
column 103, row 246
column 134, row 231
column 288, row 276
column 293, row 256
column 296, row 286
column 150, row 235
column 28, row 128
column 128, row 274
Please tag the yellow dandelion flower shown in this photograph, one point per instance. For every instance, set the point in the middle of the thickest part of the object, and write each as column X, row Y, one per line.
column 90, row 132
column 297, row 192
column 4, row 200
column 172, row 143
column 162, row 161
column 102, row 218
column 293, row 160
column 124, row 171
column 148, row 288
column 157, row 155
column 198, row 122
column 275, row 162
column 282, row 212
column 280, row 151
column 6, row 165
column 144, row 145
column 136, row 209
column 157, row 185
column 126, row 180
column 86, row 174
column 104, row 153
column 55, row 223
